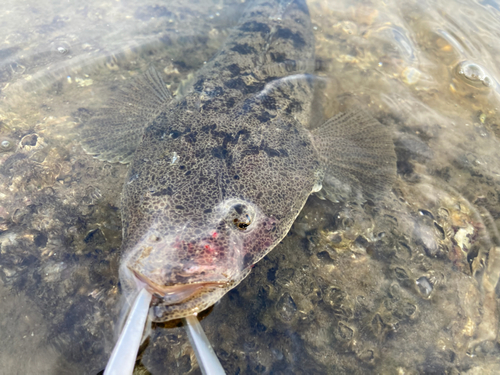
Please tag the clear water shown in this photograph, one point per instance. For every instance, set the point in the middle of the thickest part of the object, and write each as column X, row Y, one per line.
column 404, row 286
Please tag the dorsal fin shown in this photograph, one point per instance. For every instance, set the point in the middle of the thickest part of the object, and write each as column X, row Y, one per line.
column 358, row 155
column 114, row 132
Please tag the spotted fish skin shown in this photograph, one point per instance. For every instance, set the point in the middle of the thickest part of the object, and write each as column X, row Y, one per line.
column 220, row 174
column 230, row 147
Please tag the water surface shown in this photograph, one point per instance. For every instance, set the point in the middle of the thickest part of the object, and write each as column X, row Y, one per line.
column 403, row 286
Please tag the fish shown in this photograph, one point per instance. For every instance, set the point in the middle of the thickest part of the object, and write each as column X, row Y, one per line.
column 219, row 173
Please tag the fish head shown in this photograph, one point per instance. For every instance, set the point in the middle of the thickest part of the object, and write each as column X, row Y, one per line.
column 199, row 259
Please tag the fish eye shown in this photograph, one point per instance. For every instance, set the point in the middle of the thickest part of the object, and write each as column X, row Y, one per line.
column 242, row 223
column 242, row 217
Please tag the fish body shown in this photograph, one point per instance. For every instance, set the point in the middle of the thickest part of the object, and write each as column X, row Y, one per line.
column 218, row 175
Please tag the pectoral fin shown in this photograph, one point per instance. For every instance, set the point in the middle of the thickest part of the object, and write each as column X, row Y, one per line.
column 115, row 131
column 358, row 156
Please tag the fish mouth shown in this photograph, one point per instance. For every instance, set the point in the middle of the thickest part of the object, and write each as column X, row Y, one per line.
column 175, row 294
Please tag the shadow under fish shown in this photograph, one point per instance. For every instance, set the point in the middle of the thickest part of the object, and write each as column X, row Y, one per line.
column 218, row 175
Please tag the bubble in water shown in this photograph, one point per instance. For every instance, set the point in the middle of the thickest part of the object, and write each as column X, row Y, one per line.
column 410, row 75
column 473, row 74
column 60, row 46
column 6, row 145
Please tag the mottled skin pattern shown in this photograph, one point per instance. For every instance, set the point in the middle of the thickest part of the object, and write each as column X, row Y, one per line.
column 226, row 151
column 219, row 174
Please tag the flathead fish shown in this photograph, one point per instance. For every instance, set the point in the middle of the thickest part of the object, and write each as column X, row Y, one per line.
column 218, row 175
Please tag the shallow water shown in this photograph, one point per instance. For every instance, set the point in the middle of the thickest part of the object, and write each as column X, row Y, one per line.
column 404, row 286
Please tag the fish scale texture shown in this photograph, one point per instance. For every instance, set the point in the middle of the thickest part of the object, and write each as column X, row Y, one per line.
column 233, row 150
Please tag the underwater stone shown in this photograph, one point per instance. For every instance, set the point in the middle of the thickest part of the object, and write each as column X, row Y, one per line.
column 409, row 309
column 377, row 325
column 395, row 291
column 344, row 332
column 439, row 231
column 424, row 286
column 367, row 356
column 286, row 307
column 425, row 237
column 401, row 274
column 29, row 140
